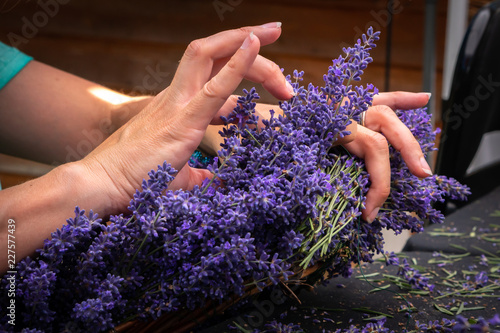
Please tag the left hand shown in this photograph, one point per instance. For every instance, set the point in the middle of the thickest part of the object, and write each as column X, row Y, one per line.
column 369, row 142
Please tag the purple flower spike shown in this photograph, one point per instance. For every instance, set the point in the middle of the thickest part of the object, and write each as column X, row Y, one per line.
column 284, row 197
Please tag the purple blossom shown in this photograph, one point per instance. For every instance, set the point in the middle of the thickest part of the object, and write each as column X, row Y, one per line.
column 436, row 326
column 283, row 197
column 476, row 325
column 414, row 277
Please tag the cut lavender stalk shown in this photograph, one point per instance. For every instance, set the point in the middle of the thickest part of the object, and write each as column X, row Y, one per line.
column 284, row 200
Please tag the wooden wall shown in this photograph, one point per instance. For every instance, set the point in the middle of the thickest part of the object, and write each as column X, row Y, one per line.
column 134, row 46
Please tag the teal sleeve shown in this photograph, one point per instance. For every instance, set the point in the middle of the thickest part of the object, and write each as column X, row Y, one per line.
column 11, row 62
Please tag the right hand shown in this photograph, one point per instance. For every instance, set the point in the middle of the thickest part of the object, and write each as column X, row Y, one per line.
column 173, row 124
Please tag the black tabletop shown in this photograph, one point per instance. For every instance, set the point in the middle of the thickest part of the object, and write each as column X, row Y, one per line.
column 374, row 291
column 475, row 228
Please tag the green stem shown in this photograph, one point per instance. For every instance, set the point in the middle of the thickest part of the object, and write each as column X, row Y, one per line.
column 253, row 137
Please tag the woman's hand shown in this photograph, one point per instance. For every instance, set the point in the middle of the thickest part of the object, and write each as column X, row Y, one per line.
column 370, row 142
column 170, row 127
column 173, row 124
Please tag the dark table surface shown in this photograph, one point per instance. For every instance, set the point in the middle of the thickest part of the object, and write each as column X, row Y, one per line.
column 450, row 255
column 475, row 228
column 356, row 300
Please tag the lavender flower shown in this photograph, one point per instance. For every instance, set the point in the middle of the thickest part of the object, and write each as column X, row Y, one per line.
column 277, row 327
column 376, row 326
column 283, row 197
column 436, row 326
column 479, row 325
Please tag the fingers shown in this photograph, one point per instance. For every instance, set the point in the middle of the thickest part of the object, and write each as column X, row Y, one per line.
column 267, row 33
column 402, row 100
column 269, row 75
column 225, row 110
column 214, row 94
column 382, row 119
column 382, row 125
column 195, row 68
column 262, row 110
column 353, row 128
column 373, row 148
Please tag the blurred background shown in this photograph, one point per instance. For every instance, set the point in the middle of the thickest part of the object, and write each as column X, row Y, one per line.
column 134, row 46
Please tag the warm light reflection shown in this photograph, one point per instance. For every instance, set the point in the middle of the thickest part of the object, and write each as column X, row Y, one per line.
column 109, row 96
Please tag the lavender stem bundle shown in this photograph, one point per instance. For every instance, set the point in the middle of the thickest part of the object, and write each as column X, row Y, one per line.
column 283, row 198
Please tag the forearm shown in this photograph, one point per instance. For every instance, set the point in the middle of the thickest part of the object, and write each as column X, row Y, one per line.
column 55, row 117
column 38, row 207
column 211, row 141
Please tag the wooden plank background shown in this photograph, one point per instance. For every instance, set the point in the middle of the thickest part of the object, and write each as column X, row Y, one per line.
column 114, row 42
column 121, row 43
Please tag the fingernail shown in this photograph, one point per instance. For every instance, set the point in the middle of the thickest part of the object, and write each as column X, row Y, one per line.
column 271, row 25
column 428, row 94
column 425, row 166
column 289, row 87
column 372, row 215
column 247, row 41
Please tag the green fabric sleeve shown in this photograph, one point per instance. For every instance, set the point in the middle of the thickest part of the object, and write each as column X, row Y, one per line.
column 11, row 62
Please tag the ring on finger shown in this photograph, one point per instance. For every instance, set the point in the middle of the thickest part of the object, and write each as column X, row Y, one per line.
column 362, row 117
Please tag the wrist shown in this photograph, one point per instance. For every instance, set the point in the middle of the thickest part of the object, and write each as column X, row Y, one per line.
column 87, row 189
column 42, row 205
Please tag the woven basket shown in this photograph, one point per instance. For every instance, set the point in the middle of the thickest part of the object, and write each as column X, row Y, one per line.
column 182, row 321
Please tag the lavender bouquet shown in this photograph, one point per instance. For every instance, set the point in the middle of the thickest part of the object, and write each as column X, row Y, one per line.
column 284, row 200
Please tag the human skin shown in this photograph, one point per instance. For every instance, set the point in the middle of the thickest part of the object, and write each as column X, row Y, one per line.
column 370, row 142
column 45, row 110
